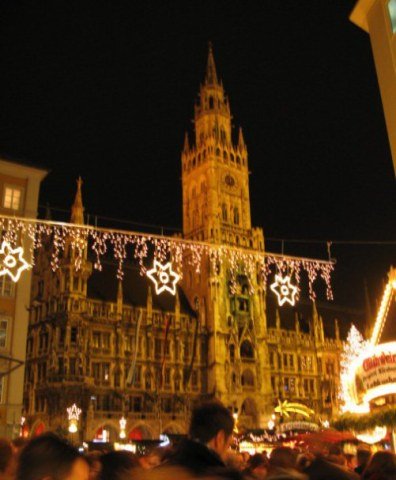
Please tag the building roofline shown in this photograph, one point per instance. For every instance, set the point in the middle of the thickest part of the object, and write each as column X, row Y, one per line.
column 24, row 163
column 360, row 12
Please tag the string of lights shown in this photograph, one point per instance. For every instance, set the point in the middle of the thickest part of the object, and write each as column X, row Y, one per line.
column 175, row 249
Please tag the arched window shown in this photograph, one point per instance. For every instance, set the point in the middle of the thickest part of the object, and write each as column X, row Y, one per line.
column 236, row 216
column 218, row 152
column 211, row 102
column 225, row 156
column 238, row 160
column 247, row 349
column 224, row 212
column 232, row 353
column 232, row 157
column 247, row 378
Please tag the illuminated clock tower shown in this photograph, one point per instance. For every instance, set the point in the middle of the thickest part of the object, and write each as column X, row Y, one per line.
column 216, row 209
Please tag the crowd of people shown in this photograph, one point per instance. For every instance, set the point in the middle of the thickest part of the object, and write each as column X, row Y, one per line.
column 205, row 454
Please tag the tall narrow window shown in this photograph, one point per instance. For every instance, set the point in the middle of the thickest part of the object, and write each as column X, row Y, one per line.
column 96, row 339
column 224, row 212
column 232, row 353
column 73, row 335
column 96, row 371
column 271, row 359
column 236, row 216
column 106, row 340
column 3, row 332
column 6, row 286
column 105, row 372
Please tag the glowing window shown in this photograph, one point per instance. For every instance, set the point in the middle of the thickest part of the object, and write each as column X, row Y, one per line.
column 12, row 198
column 392, row 14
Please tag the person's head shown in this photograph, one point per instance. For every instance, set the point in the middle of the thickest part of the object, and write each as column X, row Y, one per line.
column 18, row 443
column 283, row 457
column 212, row 424
column 336, row 455
column 233, row 460
column 154, row 457
column 118, row 465
column 51, row 458
column 258, row 465
column 246, row 457
column 381, row 463
column 363, row 456
column 93, row 459
column 6, row 456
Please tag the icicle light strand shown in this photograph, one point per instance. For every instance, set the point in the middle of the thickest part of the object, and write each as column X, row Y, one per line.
column 255, row 265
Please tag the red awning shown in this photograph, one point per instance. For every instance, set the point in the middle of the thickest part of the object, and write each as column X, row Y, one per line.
column 326, row 436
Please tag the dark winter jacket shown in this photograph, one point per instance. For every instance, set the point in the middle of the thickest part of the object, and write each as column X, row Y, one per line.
column 200, row 460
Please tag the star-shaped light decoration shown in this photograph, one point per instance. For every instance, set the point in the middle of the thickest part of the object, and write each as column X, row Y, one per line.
column 284, row 290
column 73, row 412
column 12, row 262
column 164, row 277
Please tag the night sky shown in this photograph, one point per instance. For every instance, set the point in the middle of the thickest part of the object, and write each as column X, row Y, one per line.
column 106, row 90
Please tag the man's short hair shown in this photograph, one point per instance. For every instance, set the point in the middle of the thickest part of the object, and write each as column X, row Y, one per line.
column 363, row 455
column 283, row 457
column 46, row 456
column 208, row 419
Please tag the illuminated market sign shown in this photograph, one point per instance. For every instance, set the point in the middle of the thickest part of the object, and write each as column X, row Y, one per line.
column 304, row 426
column 373, row 374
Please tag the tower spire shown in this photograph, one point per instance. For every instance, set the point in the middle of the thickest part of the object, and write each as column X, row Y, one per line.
column 77, row 214
column 211, row 75
column 241, row 140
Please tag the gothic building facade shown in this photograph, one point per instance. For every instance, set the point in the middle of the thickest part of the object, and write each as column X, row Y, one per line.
column 120, row 350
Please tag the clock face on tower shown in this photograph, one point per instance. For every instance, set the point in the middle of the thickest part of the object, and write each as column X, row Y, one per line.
column 229, row 180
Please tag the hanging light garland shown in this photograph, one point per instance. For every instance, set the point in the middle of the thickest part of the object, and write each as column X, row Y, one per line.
column 256, row 265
